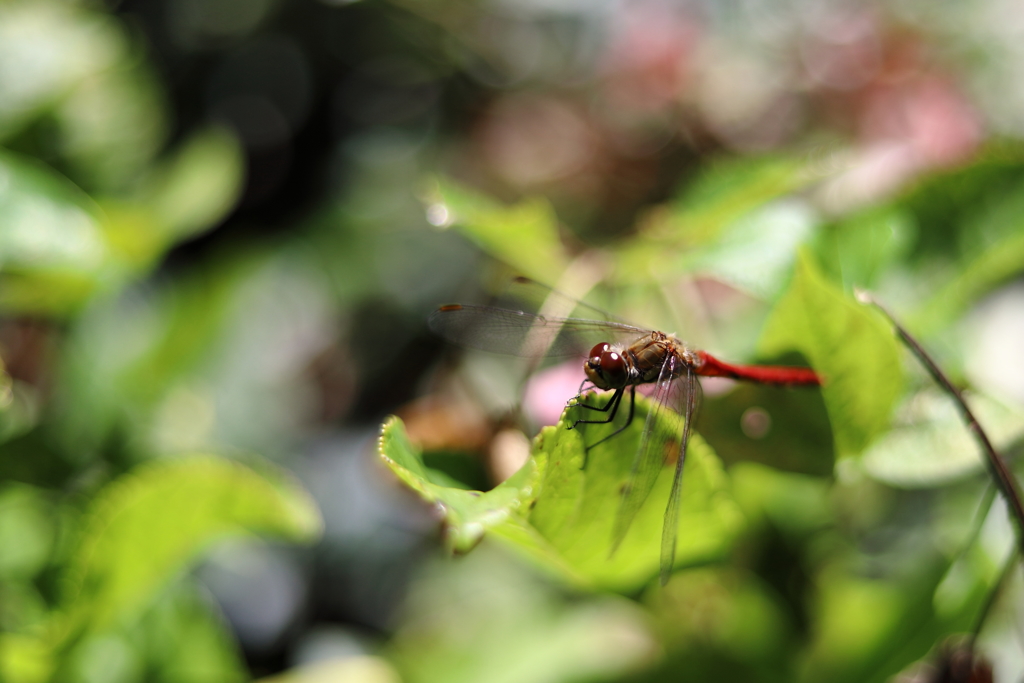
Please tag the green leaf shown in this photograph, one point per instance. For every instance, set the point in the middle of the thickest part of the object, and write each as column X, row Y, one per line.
column 25, row 659
column 133, row 234
column 568, row 526
column 856, row 618
column 126, row 353
column 46, row 50
column 994, row 265
column 731, row 189
column 192, row 315
column 112, row 125
column 860, row 249
column 26, row 531
column 932, row 446
column 199, row 185
column 694, row 231
column 486, row 618
column 849, row 345
column 145, row 526
column 52, row 248
column 524, row 235
column 973, row 215
column 575, row 511
column 467, row 514
column 28, row 291
column 183, row 619
column 869, row 629
column 756, row 253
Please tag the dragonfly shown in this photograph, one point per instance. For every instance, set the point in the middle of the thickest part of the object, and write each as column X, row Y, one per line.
column 622, row 357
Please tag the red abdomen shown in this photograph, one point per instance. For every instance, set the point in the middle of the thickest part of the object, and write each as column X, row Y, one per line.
column 763, row 374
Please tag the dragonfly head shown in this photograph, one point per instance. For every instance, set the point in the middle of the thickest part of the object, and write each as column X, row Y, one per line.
column 606, row 367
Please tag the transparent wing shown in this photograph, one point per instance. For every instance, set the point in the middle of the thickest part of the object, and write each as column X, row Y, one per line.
column 525, row 290
column 517, row 333
column 650, row 456
column 674, row 407
column 689, row 393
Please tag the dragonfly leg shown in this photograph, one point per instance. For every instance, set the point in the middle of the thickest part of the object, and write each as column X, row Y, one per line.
column 612, row 404
column 629, row 420
column 575, row 400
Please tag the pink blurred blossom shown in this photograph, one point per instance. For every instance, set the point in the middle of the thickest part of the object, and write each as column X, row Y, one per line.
column 910, row 118
column 929, row 114
column 531, row 140
column 843, row 52
column 921, row 123
column 548, row 391
column 648, row 61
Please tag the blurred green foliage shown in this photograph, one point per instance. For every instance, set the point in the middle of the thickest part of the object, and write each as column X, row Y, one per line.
column 850, row 348
column 137, row 534
column 91, row 574
column 833, row 535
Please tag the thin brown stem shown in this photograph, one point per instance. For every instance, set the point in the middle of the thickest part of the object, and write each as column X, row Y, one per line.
column 1001, row 474
column 1004, row 577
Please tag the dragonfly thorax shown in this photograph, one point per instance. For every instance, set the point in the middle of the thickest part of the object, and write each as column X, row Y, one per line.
column 606, row 367
column 651, row 358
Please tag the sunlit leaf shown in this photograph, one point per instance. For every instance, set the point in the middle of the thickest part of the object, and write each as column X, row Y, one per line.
column 25, row 658
column 730, row 190
column 863, row 247
column 196, row 188
column 575, row 511
column 757, row 252
column 994, row 265
column 26, row 531
column 52, row 251
column 145, row 526
column 933, row 446
column 467, row 514
column 45, row 49
column 133, row 234
column 568, row 526
column 849, row 345
column 695, row 231
column 523, row 235
column 111, row 126
column 48, row 293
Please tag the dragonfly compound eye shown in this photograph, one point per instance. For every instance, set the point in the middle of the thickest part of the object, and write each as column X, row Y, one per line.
column 613, row 367
column 595, row 353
